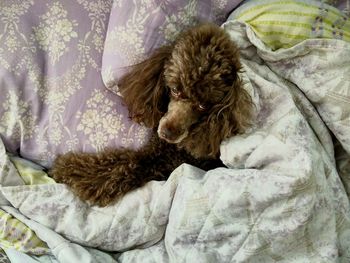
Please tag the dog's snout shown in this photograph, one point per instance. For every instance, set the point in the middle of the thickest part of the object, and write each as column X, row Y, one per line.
column 174, row 125
column 170, row 133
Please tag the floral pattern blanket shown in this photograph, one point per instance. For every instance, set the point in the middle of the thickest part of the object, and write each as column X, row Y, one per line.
column 282, row 197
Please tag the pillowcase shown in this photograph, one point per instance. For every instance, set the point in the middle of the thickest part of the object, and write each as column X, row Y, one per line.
column 138, row 27
column 52, row 98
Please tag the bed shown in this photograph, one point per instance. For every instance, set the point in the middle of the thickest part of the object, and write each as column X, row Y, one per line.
column 284, row 195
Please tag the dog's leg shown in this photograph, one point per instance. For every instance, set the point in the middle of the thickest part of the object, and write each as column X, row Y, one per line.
column 102, row 178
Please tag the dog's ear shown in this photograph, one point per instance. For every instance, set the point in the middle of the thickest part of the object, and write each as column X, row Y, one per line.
column 143, row 88
column 231, row 116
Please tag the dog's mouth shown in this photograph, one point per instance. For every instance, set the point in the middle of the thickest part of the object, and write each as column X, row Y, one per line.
column 176, row 123
column 171, row 135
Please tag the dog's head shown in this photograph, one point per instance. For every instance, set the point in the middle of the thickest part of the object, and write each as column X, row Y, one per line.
column 191, row 91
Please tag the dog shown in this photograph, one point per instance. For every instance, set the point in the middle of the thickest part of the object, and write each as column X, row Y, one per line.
column 192, row 97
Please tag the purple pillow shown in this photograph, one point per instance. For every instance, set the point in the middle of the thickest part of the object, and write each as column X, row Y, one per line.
column 52, row 97
column 137, row 27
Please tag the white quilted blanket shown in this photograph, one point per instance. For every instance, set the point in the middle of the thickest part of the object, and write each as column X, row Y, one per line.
column 281, row 199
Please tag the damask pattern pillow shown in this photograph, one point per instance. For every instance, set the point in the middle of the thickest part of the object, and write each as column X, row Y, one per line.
column 137, row 27
column 52, row 98
column 52, row 95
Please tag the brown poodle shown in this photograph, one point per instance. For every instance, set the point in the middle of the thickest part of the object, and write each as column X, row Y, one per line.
column 192, row 97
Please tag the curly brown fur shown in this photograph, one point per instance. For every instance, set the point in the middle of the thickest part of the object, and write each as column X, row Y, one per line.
column 106, row 176
column 190, row 94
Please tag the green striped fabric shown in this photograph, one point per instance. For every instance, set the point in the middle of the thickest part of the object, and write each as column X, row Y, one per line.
column 14, row 234
column 283, row 24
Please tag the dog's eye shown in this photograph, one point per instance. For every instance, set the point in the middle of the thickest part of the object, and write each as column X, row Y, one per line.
column 202, row 107
column 175, row 92
column 228, row 79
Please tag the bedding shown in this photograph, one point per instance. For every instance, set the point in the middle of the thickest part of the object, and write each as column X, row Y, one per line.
column 283, row 24
column 284, row 196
